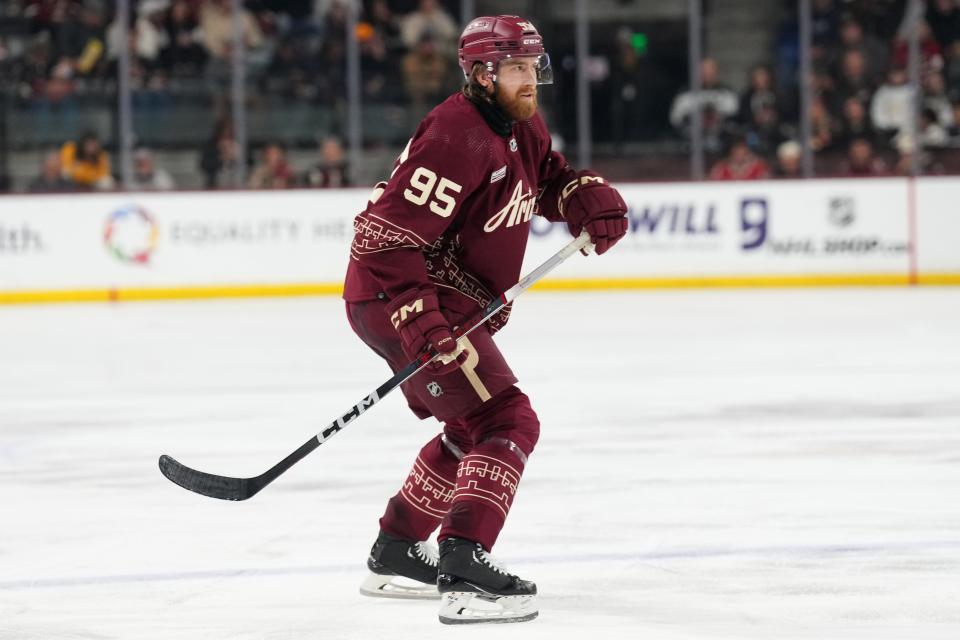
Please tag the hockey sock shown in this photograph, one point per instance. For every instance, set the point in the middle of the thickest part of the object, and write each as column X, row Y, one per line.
column 416, row 510
column 487, row 481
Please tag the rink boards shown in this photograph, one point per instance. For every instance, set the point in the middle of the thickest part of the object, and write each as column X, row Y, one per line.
column 127, row 246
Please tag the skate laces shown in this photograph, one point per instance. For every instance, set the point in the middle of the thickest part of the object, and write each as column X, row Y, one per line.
column 427, row 552
column 490, row 561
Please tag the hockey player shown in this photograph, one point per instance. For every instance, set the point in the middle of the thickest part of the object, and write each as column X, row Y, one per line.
column 436, row 242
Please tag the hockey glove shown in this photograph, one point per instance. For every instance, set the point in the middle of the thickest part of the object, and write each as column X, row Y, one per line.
column 589, row 202
column 415, row 314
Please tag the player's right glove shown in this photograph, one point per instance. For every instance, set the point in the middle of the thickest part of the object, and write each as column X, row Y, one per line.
column 416, row 316
column 589, row 202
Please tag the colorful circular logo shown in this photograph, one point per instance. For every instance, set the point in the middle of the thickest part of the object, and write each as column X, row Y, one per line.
column 131, row 234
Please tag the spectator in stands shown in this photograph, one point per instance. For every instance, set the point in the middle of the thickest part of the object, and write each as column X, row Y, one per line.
column 220, row 157
column 45, row 15
column 854, row 82
column 183, row 54
column 85, row 163
column 951, row 70
column 331, row 172
column 273, row 170
column 789, row 155
column 824, row 83
column 430, row 19
column 719, row 98
column 331, row 78
column 145, row 37
column 930, row 50
column 862, row 162
column 765, row 132
column 378, row 70
column 943, row 16
column 935, row 98
column 31, row 74
column 144, row 40
column 293, row 18
column 292, row 71
column 880, row 17
column 216, row 25
column 760, row 94
column 426, row 73
column 931, row 132
column 875, row 55
column 891, row 107
column 383, row 21
column 854, row 123
column 147, row 176
column 631, row 88
column 78, row 37
column 740, row 164
column 825, row 22
column 334, row 21
column 51, row 179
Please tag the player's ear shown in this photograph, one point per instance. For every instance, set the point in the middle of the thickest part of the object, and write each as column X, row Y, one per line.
column 482, row 76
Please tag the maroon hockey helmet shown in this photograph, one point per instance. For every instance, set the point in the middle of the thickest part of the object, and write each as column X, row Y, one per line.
column 491, row 39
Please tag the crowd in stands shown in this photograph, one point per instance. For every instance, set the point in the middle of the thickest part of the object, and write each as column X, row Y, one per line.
column 862, row 101
column 295, row 51
column 293, row 47
column 84, row 165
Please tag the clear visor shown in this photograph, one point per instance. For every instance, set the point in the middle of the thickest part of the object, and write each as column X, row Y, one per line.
column 527, row 67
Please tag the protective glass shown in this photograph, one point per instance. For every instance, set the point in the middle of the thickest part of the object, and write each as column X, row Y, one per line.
column 519, row 65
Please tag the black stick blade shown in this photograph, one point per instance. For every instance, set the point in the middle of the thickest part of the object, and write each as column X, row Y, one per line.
column 206, row 484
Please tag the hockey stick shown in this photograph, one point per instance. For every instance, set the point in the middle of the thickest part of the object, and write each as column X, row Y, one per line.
column 227, row 488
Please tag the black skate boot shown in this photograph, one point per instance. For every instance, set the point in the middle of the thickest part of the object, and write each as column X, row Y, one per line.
column 401, row 569
column 475, row 588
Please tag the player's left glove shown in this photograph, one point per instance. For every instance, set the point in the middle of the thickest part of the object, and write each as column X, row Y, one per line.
column 416, row 316
column 589, row 202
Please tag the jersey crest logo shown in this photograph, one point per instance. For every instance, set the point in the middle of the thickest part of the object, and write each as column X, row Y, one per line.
column 499, row 174
column 518, row 209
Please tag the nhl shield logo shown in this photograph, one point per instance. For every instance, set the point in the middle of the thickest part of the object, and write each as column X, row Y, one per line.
column 434, row 389
column 842, row 211
column 513, row 144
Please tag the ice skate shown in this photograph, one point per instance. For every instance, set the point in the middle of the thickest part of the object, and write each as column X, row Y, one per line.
column 476, row 589
column 401, row 569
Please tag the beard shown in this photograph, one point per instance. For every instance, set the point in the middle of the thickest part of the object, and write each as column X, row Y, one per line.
column 519, row 108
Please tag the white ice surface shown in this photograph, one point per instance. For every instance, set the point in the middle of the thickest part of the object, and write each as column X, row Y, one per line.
column 713, row 464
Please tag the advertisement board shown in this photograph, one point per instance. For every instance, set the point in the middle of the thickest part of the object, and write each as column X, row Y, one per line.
column 137, row 245
column 830, row 227
column 176, row 240
column 938, row 230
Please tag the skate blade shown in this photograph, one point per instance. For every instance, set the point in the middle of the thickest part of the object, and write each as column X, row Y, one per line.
column 462, row 607
column 377, row 586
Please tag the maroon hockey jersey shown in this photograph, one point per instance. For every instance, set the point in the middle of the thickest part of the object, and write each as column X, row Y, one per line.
column 455, row 213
